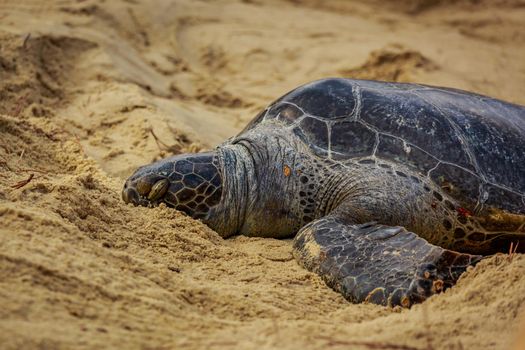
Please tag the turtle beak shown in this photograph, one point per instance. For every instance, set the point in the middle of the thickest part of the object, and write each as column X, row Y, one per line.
column 129, row 195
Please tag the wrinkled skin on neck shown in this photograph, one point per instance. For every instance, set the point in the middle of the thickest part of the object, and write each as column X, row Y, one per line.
column 278, row 187
column 268, row 172
column 255, row 184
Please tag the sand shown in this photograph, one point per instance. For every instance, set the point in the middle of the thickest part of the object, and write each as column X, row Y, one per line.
column 91, row 90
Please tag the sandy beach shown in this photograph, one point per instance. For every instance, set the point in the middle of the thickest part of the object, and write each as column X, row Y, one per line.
column 92, row 89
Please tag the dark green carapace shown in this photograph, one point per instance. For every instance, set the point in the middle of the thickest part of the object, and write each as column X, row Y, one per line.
column 391, row 190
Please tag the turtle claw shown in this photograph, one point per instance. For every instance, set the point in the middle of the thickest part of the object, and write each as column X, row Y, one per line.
column 433, row 278
column 422, row 286
column 438, row 286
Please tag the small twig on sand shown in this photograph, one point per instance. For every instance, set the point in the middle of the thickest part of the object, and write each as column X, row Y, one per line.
column 512, row 250
column 160, row 144
column 33, row 170
column 26, row 39
column 22, row 183
column 163, row 146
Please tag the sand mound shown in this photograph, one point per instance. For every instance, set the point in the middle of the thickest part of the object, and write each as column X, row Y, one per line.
column 35, row 72
column 391, row 64
column 90, row 90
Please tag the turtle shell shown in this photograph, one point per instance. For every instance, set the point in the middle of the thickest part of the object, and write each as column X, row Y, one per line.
column 472, row 142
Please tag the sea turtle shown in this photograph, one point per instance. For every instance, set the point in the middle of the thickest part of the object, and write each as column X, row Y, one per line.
column 392, row 189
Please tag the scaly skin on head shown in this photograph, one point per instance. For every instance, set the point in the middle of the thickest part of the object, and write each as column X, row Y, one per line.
column 191, row 183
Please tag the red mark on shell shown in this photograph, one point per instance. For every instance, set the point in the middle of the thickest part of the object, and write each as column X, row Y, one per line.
column 464, row 212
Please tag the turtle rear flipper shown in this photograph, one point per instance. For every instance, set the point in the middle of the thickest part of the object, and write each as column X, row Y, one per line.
column 380, row 264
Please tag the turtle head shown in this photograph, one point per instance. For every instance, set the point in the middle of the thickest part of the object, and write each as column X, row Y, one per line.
column 260, row 183
column 191, row 183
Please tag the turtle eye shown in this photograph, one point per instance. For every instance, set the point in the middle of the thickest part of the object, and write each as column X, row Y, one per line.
column 143, row 187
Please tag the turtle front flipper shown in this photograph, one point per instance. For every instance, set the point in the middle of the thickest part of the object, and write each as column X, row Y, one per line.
column 380, row 264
